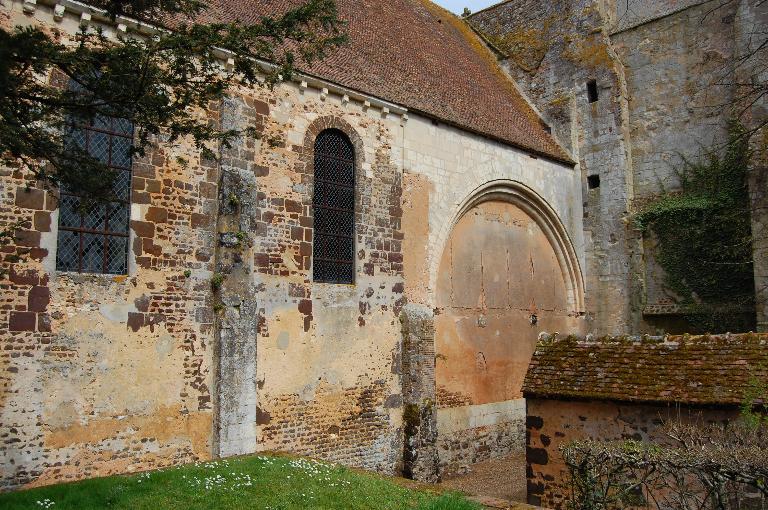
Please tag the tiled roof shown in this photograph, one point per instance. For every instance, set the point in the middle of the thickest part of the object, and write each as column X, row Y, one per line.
column 701, row 370
column 417, row 55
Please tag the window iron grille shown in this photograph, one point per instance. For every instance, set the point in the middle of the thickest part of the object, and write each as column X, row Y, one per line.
column 333, row 249
column 93, row 237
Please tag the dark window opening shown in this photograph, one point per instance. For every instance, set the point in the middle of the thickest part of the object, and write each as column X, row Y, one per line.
column 333, row 204
column 592, row 91
column 593, row 181
column 93, row 238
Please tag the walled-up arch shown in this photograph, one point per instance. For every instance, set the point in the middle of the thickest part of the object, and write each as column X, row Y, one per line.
column 522, row 196
column 507, row 271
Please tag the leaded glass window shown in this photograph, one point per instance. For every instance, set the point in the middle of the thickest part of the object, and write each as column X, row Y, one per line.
column 333, row 202
column 93, row 238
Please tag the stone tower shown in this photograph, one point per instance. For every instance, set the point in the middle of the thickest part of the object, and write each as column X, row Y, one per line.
column 631, row 88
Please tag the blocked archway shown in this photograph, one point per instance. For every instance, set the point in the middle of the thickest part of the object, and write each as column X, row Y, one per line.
column 507, row 272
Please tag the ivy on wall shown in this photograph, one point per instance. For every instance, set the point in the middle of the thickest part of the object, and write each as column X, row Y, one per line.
column 705, row 239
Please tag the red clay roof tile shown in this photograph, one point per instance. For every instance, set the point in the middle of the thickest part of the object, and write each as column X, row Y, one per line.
column 705, row 370
column 416, row 54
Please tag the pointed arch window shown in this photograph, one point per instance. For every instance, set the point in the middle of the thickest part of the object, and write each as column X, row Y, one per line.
column 333, row 247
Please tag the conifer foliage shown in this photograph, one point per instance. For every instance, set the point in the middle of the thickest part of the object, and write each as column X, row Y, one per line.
column 159, row 81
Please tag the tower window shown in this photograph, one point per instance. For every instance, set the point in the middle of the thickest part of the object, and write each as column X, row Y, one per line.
column 333, row 247
column 592, row 91
column 593, row 181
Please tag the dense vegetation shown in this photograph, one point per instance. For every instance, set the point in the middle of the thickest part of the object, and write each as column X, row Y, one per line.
column 704, row 239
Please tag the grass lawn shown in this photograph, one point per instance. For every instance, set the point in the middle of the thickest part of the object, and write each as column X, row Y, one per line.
column 258, row 482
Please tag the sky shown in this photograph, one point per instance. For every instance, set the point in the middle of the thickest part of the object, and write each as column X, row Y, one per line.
column 457, row 6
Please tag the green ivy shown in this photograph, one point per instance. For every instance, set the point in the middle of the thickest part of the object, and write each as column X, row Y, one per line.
column 754, row 406
column 705, row 239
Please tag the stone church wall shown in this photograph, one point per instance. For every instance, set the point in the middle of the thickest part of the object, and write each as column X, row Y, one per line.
column 327, row 382
column 217, row 342
column 679, row 71
column 676, row 70
column 212, row 345
column 444, row 168
column 477, row 433
column 108, row 374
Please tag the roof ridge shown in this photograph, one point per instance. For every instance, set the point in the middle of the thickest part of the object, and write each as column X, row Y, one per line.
column 589, row 339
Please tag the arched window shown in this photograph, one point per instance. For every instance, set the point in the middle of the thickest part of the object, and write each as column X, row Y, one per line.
column 333, row 249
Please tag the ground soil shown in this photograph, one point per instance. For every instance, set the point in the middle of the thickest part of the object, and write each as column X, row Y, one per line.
column 502, row 478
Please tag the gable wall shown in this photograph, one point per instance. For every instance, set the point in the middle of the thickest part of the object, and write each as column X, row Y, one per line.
column 555, row 49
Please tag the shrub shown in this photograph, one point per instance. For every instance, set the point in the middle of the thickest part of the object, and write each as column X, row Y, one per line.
column 717, row 466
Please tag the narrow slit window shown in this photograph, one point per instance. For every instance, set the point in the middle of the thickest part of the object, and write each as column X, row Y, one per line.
column 592, row 93
column 94, row 238
column 333, row 204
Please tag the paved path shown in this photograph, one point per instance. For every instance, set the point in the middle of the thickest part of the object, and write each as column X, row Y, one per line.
column 500, row 479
